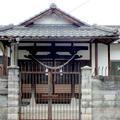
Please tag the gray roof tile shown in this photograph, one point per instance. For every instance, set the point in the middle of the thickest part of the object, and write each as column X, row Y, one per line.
column 56, row 31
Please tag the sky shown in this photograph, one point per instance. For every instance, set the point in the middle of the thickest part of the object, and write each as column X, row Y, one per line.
column 100, row 12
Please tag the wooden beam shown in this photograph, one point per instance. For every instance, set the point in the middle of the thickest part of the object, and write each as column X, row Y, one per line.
column 109, row 59
column 73, row 68
column 5, row 60
column 96, row 58
column 67, row 38
column 56, row 41
column 50, row 56
column 49, row 94
column 13, row 53
column 53, row 48
column 28, row 22
column 69, row 18
column 90, row 45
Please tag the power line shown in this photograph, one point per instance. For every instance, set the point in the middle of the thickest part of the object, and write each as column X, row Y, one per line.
column 79, row 6
column 82, row 4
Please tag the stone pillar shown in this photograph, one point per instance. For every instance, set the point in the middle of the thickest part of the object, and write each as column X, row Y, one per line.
column 13, row 93
column 86, row 89
column 13, row 83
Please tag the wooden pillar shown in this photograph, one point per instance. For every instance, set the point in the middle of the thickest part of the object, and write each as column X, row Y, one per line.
column 13, row 54
column 73, row 82
column 90, row 45
column 108, row 59
column 5, row 60
column 96, row 58
column 16, row 54
column 49, row 95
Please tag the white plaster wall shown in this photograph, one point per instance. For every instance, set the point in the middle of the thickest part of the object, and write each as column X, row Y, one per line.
column 26, row 44
column 93, row 58
column 115, row 51
column 8, row 51
column 1, row 52
column 85, row 53
column 52, row 19
column 103, row 54
column 102, row 59
column 22, row 53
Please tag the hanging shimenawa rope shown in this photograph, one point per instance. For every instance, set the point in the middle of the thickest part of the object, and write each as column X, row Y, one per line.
column 56, row 67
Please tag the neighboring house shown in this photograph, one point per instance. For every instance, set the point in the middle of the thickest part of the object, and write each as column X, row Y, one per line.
column 48, row 40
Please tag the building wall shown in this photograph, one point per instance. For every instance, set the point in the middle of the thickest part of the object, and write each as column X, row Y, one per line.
column 22, row 53
column 93, row 58
column 102, row 55
column 52, row 19
column 84, row 53
column 102, row 59
column 1, row 53
column 115, row 52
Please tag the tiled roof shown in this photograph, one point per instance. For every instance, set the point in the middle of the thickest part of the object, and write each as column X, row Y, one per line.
column 56, row 31
column 118, row 28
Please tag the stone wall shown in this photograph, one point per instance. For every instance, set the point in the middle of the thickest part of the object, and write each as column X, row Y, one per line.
column 100, row 99
column 86, row 91
column 105, row 100
column 3, row 98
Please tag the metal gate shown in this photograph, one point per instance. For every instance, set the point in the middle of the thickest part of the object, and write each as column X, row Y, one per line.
column 48, row 94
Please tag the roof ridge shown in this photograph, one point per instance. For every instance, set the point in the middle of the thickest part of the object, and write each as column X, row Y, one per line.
column 6, row 27
column 104, row 28
column 53, row 9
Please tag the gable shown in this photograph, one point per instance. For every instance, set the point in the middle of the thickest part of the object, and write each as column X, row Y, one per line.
column 53, row 16
column 52, row 19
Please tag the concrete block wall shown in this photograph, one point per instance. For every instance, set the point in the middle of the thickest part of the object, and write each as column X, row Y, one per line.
column 86, row 99
column 100, row 99
column 13, row 93
column 3, row 98
column 105, row 100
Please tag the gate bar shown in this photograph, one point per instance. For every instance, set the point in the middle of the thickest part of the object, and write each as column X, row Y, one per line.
column 50, row 94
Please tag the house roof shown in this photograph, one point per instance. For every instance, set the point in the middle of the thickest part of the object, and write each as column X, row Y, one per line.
column 56, row 31
column 76, row 29
column 117, row 27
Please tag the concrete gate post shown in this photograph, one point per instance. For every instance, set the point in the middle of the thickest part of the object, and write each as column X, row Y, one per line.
column 86, row 89
column 13, row 83
column 13, row 93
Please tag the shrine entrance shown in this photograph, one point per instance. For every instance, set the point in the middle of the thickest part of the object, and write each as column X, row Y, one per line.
column 48, row 94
